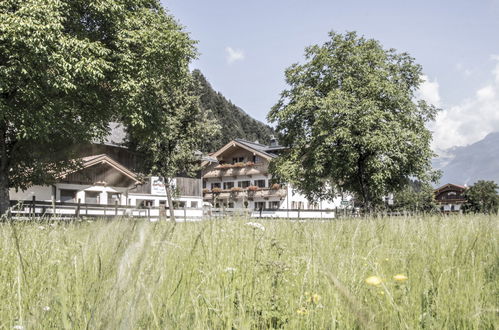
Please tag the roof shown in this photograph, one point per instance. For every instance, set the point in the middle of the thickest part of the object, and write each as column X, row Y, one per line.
column 450, row 186
column 256, row 147
column 89, row 161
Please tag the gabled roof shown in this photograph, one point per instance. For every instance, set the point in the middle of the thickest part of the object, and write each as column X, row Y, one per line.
column 90, row 161
column 449, row 186
column 256, row 148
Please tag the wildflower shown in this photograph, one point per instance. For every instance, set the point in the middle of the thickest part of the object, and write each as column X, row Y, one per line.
column 230, row 269
column 400, row 278
column 314, row 299
column 373, row 280
column 256, row 225
column 46, row 308
column 41, row 227
column 18, row 327
column 382, row 293
column 302, row 311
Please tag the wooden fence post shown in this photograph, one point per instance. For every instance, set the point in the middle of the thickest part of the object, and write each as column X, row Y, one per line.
column 77, row 213
column 149, row 213
column 33, row 210
column 115, row 208
column 185, row 212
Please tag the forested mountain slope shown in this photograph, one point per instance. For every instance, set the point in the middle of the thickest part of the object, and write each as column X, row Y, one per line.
column 234, row 122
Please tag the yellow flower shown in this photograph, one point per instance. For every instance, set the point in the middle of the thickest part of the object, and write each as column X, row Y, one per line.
column 382, row 293
column 314, row 299
column 301, row 311
column 400, row 278
column 373, row 280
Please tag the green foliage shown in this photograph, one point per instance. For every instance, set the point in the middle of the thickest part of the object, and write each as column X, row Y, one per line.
column 415, row 197
column 482, row 197
column 69, row 67
column 234, row 122
column 351, row 121
column 229, row 275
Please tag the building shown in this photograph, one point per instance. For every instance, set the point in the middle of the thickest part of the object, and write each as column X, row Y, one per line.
column 101, row 180
column 240, row 179
column 450, row 197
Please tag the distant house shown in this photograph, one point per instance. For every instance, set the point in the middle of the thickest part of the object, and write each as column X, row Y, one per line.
column 450, row 197
column 240, row 178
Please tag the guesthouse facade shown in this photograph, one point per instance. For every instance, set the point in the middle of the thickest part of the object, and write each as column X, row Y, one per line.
column 240, row 179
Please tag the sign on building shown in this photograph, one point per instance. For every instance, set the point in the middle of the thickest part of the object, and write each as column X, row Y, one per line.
column 158, row 186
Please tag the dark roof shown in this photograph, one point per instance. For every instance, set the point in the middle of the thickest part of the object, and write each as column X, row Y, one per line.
column 265, row 149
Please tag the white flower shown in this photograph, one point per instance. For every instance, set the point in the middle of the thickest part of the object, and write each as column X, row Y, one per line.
column 230, row 269
column 256, row 225
column 18, row 327
column 46, row 308
column 41, row 227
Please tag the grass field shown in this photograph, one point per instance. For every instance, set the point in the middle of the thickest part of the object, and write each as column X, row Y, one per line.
column 226, row 274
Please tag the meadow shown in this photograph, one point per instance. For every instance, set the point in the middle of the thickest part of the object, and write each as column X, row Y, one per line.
column 431, row 272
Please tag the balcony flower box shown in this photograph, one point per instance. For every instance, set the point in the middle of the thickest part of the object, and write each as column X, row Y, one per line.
column 216, row 190
column 206, row 191
column 275, row 186
column 253, row 188
column 236, row 189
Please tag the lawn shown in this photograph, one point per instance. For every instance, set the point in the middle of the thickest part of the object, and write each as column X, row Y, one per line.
column 394, row 273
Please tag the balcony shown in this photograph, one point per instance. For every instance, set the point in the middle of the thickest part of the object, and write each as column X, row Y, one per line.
column 236, row 194
column 238, row 169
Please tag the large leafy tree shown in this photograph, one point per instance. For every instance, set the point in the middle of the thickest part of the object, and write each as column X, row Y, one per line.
column 415, row 197
column 351, row 121
column 482, row 197
column 68, row 67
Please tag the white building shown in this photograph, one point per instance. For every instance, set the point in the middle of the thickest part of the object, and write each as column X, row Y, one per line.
column 241, row 180
column 101, row 181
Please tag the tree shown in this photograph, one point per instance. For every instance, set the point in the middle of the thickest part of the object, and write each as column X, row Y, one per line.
column 415, row 197
column 68, row 67
column 482, row 197
column 351, row 123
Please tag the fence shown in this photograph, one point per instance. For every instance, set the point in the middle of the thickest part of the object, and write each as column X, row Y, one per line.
column 37, row 209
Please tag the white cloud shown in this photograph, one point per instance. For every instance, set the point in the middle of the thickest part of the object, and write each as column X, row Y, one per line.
column 234, row 55
column 465, row 71
column 429, row 91
column 472, row 119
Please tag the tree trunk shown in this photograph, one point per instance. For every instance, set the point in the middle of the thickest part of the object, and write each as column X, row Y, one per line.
column 4, row 193
column 170, row 201
column 4, row 173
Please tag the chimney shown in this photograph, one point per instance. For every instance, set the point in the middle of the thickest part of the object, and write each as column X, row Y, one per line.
column 273, row 141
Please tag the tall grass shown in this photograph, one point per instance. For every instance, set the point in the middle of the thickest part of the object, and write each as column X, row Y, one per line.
column 226, row 274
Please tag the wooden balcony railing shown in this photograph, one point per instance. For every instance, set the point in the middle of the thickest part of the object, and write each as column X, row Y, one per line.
column 246, row 194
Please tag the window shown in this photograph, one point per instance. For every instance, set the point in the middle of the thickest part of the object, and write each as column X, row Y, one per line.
column 143, row 203
column 114, row 198
column 231, row 205
column 244, row 184
column 92, row 197
column 204, row 184
column 260, row 183
column 228, row 185
column 274, row 205
column 237, row 160
column 179, row 204
column 257, row 159
column 68, row 196
column 313, row 206
column 259, row 205
column 215, row 185
column 296, row 205
column 194, row 204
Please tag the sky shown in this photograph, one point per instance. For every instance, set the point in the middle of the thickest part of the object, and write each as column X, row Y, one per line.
column 245, row 46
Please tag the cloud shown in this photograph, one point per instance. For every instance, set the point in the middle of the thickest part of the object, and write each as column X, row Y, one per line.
column 429, row 91
column 472, row 119
column 465, row 71
column 234, row 55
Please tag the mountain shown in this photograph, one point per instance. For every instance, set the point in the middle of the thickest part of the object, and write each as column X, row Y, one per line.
column 466, row 165
column 234, row 122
